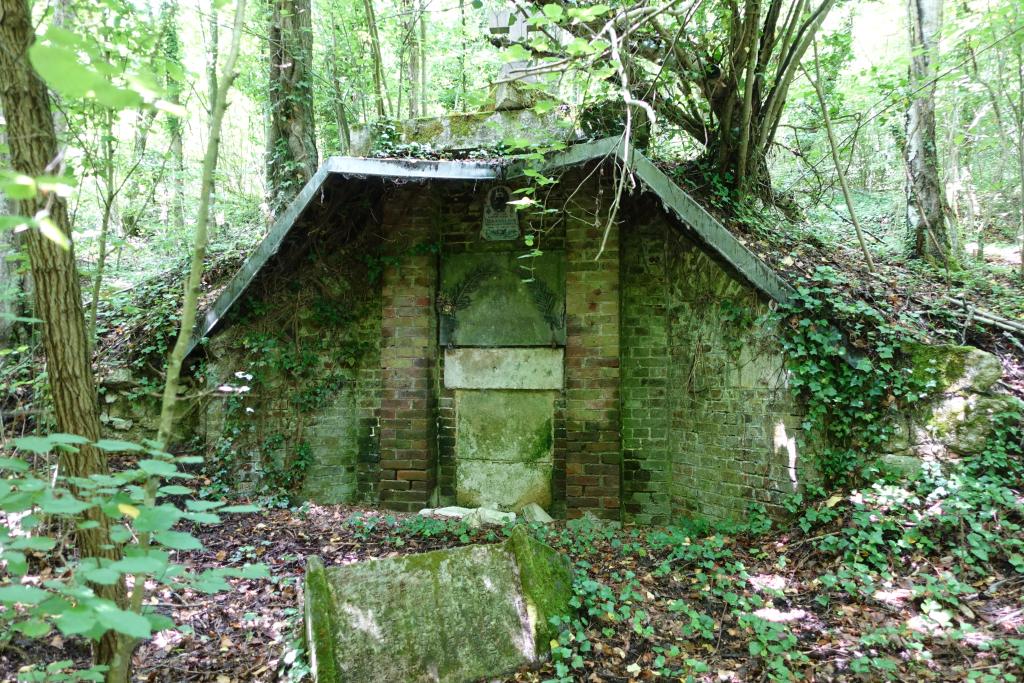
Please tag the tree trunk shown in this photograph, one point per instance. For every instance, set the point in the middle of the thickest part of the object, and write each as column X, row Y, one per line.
column 58, row 299
column 212, row 86
column 109, row 193
column 291, row 139
column 834, row 148
column 927, row 225
column 11, row 285
column 422, row 45
column 340, row 116
column 172, row 53
column 379, row 84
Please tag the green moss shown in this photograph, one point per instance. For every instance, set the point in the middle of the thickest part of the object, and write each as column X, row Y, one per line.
column 942, row 362
column 319, row 610
column 423, row 131
column 466, row 125
column 543, row 443
column 546, row 579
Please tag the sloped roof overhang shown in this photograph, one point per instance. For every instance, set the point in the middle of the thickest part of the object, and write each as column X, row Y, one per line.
column 674, row 199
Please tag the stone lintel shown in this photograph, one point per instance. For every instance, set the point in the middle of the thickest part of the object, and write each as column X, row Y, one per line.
column 504, row 368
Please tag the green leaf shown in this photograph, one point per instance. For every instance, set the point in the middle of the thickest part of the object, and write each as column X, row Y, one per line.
column 13, row 464
column 240, row 508
column 122, row 621
column 158, row 468
column 50, row 231
column 517, row 53
column 175, row 490
column 17, row 185
column 159, row 622
column 33, row 628
column 34, row 444
column 63, row 505
column 76, row 620
column 39, row 543
column 143, row 564
column 115, row 445
column 553, row 12
column 156, row 518
column 177, row 540
column 27, row 595
column 255, row 571
column 104, row 576
column 67, row 439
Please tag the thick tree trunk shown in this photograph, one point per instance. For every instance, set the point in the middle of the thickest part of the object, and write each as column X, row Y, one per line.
column 58, row 300
column 10, row 282
column 291, row 139
column 927, row 225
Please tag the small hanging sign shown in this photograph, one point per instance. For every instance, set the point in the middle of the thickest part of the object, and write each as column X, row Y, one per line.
column 501, row 221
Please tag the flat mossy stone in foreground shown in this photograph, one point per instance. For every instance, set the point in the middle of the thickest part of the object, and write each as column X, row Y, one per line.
column 444, row 616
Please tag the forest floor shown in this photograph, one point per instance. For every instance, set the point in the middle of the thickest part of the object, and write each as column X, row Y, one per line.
column 754, row 603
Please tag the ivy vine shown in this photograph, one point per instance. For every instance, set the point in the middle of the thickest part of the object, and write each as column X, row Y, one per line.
column 846, row 366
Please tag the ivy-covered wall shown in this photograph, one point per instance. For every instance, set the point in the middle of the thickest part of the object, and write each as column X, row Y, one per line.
column 709, row 425
column 297, row 381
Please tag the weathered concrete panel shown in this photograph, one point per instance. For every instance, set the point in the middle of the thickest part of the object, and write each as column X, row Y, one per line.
column 511, row 368
column 445, row 616
column 504, row 425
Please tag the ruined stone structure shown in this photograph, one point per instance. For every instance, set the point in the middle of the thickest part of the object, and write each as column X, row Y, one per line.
column 393, row 341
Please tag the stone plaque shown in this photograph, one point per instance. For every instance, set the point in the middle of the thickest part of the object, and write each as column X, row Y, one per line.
column 497, row 299
column 501, row 221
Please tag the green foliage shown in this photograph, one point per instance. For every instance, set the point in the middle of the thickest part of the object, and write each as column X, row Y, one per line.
column 147, row 517
column 844, row 357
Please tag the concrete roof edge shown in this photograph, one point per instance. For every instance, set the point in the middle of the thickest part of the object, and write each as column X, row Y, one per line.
column 711, row 232
column 359, row 167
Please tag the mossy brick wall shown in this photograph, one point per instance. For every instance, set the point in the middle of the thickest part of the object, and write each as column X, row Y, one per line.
column 593, row 449
column 328, row 406
column 408, row 353
column 734, row 426
column 708, row 423
column 646, row 462
column 674, row 404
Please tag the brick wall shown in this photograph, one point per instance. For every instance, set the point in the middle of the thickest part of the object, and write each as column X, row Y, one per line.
column 592, row 439
column 646, row 466
column 408, row 352
column 735, row 428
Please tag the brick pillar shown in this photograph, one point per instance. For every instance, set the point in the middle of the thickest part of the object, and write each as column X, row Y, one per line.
column 646, row 466
column 408, row 347
column 593, row 450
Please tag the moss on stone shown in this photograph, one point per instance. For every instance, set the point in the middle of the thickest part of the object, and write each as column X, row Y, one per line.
column 448, row 615
column 319, row 610
column 546, row 578
column 423, row 131
column 543, row 443
column 466, row 125
column 947, row 360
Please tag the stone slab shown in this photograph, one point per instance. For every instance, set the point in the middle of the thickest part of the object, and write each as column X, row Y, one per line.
column 504, row 425
column 498, row 299
column 479, row 130
column 445, row 616
column 506, row 368
column 509, row 485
